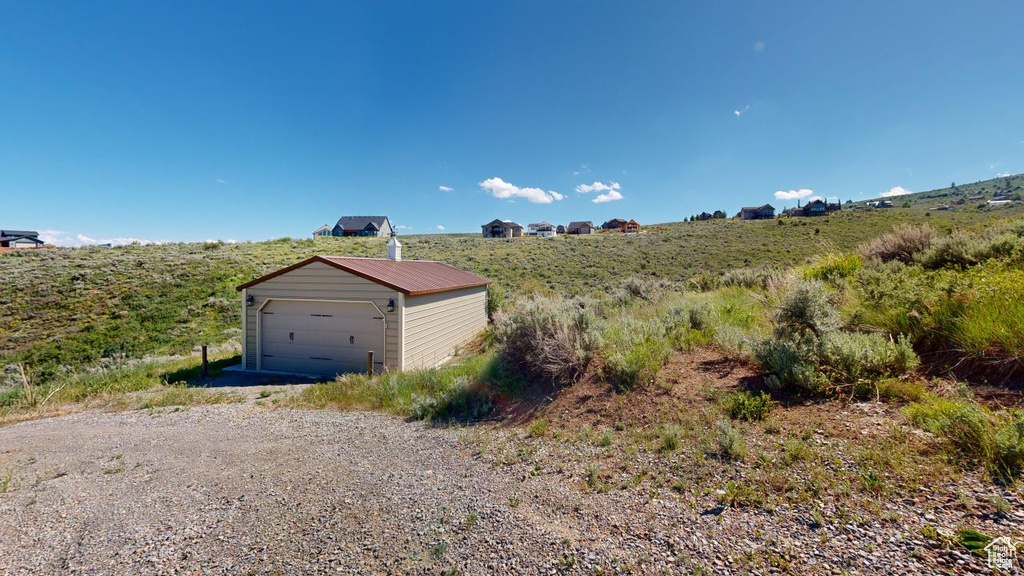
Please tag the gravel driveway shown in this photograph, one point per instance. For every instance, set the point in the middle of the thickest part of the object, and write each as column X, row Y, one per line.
column 241, row 489
column 244, row 489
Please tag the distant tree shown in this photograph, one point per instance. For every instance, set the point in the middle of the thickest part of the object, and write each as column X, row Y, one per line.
column 719, row 214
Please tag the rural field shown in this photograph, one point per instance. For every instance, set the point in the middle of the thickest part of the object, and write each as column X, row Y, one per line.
column 835, row 395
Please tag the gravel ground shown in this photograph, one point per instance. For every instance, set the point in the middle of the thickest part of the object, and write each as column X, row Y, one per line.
column 243, row 489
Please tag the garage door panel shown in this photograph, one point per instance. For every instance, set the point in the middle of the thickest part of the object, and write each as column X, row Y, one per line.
column 320, row 337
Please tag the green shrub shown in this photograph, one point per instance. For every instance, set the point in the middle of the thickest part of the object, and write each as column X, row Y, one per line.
column 961, row 249
column 701, row 316
column 833, row 266
column 788, row 364
column 848, row 357
column 704, row 281
column 903, row 243
column 994, row 441
column 538, row 427
column 495, row 301
column 743, row 405
column 794, row 450
column 671, row 438
column 806, row 309
column 640, row 363
column 647, row 289
column 458, row 399
column 680, row 331
column 730, row 441
column 755, row 278
column 553, row 339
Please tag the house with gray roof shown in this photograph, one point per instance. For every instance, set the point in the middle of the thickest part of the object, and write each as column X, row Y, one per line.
column 20, row 239
column 358, row 226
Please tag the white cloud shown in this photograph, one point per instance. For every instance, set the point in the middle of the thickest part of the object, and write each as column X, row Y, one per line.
column 445, row 188
column 1003, row 175
column 895, row 191
column 598, row 187
column 759, row 46
column 583, row 169
column 439, row 227
column 739, row 113
column 62, row 238
column 507, row 191
column 219, row 181
column 609, row 196
column 793, row 194
column 403, row 227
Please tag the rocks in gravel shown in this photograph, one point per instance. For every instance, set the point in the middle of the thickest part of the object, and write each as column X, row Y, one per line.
column 239, row 489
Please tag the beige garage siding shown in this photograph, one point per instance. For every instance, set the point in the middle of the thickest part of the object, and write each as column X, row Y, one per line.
column 436, row 323
column 318, row 281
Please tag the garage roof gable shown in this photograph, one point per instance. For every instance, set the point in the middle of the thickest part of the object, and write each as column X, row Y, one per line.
column 410, row 277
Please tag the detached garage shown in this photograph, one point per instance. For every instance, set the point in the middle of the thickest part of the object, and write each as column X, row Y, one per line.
column 325, row 314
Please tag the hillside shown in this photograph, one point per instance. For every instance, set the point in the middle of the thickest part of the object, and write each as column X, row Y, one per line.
column 844, row 377
column 73, row 307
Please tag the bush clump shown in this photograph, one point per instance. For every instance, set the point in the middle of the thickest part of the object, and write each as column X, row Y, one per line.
column 809, row 353
column 458, row 399
column 640, row 363
column 903, row 243
column 833, row 267
column 553, row 339
column 961, row 249
column 753, row 278
column 994, row 441
column 730, row 441
column 647, row 289
column 746, row 406
column 849, row 357
column 806, row 310
column 690, row 327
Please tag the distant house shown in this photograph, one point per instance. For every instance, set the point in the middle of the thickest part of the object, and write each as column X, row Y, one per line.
column 631, row 227
column 362, row 226
column 718, row 214
column 502, row 229
column 560, row 229
column 998, row 203
column 531, row 229
column 705, row 216
column 580, row 227
column 815, row 208
column 546, row 231
column 614, row 224
column 882, row 204
column 766, row 212
column 325, row 230
column 20, row 239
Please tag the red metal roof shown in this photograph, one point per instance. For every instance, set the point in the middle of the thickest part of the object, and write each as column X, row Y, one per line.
column 411, row 277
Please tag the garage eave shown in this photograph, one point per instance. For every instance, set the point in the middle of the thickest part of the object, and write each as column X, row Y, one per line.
column 333, row 263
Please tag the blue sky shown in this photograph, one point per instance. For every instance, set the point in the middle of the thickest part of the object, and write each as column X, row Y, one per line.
column 250, row 120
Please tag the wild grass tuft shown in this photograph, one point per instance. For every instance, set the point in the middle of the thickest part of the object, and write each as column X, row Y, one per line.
column 975, row 434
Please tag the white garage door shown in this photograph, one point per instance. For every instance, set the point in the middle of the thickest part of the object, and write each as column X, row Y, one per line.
column 320, row 337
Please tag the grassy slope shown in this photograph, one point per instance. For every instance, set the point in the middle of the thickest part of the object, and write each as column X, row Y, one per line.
column 73, row 307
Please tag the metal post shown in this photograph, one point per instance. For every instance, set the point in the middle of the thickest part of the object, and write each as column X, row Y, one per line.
column 369, row 363
column 205, row 372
